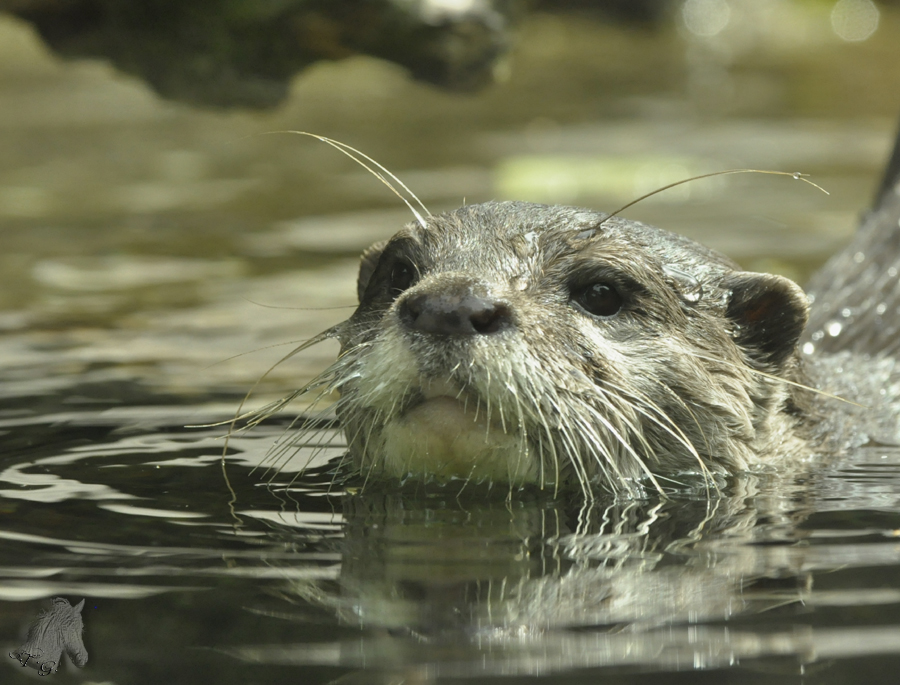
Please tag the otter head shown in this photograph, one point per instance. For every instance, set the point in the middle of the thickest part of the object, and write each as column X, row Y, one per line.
column 526, row 343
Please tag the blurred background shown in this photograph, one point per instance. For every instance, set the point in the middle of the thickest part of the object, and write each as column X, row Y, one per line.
column 153, row 224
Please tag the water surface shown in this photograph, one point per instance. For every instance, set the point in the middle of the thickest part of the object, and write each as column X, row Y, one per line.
column 156, row 260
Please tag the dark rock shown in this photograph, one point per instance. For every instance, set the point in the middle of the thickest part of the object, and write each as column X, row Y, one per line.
column 243, row 52
column 227, row 53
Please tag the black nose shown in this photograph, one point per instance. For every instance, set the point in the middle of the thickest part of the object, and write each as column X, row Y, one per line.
column 454, row 311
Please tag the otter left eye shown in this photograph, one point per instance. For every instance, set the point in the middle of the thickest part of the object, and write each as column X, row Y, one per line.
column 402, row 277
column 599, row 299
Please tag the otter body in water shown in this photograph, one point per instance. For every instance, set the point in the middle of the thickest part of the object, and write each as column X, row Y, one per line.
column 526, row 343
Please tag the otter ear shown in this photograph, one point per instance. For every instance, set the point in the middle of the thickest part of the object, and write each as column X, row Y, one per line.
column 770, row 312
column 367, row 263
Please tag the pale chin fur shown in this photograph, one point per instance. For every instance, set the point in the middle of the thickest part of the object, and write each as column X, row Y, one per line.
column 445, row 436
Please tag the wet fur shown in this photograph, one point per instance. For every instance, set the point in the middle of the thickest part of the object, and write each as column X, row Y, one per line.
column 667, row 386
column 702, row 371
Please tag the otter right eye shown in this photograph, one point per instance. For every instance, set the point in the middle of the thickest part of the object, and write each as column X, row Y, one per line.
column 599, row 299
column 403, row 275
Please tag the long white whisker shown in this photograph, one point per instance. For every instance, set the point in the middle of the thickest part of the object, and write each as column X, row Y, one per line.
column 351, row 151
column 778, row 379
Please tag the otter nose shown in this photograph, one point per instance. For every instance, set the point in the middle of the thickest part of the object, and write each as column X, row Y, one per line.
column 454, row 312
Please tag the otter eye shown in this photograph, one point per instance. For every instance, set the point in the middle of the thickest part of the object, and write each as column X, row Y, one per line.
column 402, row 277
column 599, row 299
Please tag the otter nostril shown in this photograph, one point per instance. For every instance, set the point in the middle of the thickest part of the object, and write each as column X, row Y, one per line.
column 454, row 314
column 491, row 318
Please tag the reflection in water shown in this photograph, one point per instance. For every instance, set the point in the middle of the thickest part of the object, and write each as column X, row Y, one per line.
column 478, row 584
column 434, row 582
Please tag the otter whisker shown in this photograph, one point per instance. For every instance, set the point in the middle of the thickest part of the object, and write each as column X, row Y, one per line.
column 779, row 379
column 578, row 467
column 600, row 448
column 256, row 349
column 467, row 480
column 285, row 449
column 489, row 394
column 542, row 482
column 680, row 484
column 280, row 455
column 257, row 416
column 373, row 462
column 318, row 449
column 526, row 416
column 327, row 334
column 337, row 469
column 628, row 448
column 276, row 452
column 629, row 424
column 594, row 444
column 350, row 152
column 606, row 449
column 795, row 175
column 523, row 426
column 353, row 439
column 673, row 429
column 328, row 379
column 542, row 421
column 665, row 422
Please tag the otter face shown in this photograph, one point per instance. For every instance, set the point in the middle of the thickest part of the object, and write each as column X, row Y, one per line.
column 530, row 344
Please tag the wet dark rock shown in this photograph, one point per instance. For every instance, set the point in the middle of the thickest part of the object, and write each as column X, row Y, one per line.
column 227, row 53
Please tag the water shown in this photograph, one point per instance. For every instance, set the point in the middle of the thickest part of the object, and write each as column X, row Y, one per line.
column 146, row 244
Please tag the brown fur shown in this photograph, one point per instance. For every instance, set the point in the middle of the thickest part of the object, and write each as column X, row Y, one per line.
column 679, row 379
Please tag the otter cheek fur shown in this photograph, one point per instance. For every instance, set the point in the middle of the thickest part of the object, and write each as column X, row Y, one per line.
column 525, row 343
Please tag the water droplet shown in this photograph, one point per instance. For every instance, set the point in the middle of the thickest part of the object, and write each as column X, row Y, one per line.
column 859, row 257
column 881, row 309
column 846, row 312
column 892, row 272
column 818, row 335
column 693, row 296
column 689, row 287
column 808, row 348
column 797, row 175
column 834, row 328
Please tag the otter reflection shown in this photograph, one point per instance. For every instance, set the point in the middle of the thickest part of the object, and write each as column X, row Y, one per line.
column 469, row 584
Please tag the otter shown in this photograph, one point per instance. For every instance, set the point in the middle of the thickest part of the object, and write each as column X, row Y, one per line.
column 558, row 346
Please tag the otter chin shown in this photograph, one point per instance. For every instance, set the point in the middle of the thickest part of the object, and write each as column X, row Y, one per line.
column 443, row 438
column 527, row 343
column 431, row 426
